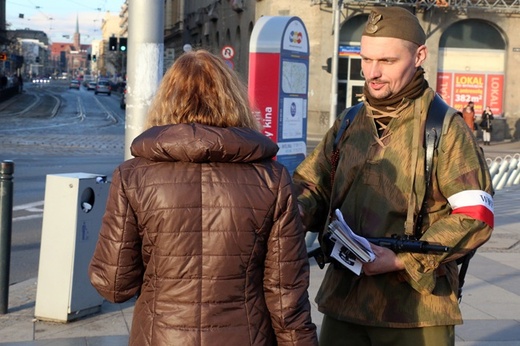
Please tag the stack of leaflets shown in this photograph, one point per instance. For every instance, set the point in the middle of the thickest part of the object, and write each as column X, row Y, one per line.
column 350, row 249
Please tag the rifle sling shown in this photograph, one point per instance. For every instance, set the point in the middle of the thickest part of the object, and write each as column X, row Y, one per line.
column 432, row 136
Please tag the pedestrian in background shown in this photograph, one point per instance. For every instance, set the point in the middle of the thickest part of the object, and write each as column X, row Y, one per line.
column 486, row 124
column 202, row 224
column 19, row 80
column 468, row 113
column 401, row 299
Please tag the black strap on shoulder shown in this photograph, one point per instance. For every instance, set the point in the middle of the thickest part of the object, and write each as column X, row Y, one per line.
column 432, row 134
column 435, row 119
column 348, row 116
column 437, row 113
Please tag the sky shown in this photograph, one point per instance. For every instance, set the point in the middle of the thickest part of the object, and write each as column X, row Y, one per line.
column 57, row 18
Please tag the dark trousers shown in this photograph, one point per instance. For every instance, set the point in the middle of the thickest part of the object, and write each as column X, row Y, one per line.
column 338, row 333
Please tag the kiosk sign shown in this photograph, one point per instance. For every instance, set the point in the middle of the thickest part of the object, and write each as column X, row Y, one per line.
column 278, row 84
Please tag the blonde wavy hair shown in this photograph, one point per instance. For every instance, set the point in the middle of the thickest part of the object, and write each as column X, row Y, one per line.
column 200, row 88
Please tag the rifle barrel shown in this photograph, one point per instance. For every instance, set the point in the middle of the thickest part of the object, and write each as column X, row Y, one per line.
column 408, row 245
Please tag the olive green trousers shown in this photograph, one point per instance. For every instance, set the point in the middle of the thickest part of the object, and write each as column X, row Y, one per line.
column 338, row 333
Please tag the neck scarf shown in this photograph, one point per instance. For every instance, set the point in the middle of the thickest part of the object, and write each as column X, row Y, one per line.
column 383, row 110
column 413, row 90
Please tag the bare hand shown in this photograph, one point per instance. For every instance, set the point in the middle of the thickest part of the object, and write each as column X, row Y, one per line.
column 386, row 261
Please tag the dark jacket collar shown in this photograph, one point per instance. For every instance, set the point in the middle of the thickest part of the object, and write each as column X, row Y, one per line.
column 202, row 143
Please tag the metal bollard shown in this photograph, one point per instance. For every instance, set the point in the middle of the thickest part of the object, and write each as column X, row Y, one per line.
column 502, row 170
column 6, row 214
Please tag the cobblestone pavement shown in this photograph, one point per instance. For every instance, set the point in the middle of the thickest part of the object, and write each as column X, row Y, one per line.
column 60, row 144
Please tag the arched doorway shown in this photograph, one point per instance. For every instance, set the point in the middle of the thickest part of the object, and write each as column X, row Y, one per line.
column 350, row 77
column 471, row 65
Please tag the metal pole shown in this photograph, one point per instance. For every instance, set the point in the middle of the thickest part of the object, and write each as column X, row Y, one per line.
column 145, row 62
column 338, row 5
column 6, row 213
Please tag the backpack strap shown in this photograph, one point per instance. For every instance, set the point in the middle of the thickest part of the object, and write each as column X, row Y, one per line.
column 348, row 116
column 437, row 114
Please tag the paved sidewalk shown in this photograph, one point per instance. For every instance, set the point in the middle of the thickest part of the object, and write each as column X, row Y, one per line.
column 490, row 305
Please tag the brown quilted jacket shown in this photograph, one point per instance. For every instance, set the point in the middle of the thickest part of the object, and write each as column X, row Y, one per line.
column 202, row 224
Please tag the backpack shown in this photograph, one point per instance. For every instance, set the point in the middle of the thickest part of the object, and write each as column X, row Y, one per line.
column 437, row 113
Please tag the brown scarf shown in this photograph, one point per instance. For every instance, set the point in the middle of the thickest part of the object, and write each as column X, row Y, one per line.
column 413, row 90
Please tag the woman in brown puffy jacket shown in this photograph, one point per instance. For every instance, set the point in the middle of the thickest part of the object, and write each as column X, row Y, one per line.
column 202, row 224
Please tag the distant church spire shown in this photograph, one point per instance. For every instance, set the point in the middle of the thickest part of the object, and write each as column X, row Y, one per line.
column 77, row 43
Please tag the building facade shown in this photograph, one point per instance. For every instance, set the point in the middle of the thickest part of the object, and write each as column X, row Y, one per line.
column 69, row 58
column 27, row 53
column 473, row 49
column 110, row 61
column 209, row 24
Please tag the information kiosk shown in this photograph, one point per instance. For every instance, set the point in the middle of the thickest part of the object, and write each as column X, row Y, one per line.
column 278, row 84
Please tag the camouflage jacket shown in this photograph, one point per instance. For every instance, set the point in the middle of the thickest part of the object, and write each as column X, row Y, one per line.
column 373, row 185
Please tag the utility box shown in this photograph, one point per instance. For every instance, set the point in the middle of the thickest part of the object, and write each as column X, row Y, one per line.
column 73, row 209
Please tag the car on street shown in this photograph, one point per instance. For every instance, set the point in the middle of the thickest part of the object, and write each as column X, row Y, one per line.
column 91, row 85
column 87, row 78
column 74, row 84
column 103, row 87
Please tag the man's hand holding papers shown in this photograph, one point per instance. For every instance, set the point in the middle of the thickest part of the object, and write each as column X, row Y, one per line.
column 350, row 249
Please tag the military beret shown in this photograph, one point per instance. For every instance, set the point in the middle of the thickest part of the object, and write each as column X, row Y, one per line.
column 395, row 22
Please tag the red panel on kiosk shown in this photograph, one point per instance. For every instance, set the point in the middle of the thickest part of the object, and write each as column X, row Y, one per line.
column 263, row 93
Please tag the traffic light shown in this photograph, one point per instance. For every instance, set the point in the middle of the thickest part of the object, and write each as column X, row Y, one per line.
column 89, row 57
column 3, row 56
column 94, row 57
column 112, row 43
column 122, row 44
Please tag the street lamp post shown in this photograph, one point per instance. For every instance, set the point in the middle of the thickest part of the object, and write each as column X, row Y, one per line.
column 338, row 6
column 144, row 64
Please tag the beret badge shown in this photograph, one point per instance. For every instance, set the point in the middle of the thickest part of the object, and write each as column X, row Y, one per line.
column 371, row 27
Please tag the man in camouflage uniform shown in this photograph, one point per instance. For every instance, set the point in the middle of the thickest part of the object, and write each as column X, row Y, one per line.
column 404, row 298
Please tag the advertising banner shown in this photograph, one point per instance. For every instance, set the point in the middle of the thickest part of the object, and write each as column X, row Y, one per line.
column 459, row 88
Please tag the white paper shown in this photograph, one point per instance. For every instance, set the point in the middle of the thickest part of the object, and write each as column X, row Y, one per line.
column 345, row 257
column 355, row 243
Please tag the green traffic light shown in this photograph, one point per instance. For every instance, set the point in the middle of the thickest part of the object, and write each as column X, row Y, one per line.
column 123, row 44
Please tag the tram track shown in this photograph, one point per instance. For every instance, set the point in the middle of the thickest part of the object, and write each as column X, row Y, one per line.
column 55, row 104
column 58, row 120
column 33, row 105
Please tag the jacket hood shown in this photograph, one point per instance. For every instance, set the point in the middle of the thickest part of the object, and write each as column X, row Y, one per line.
column 202, row 143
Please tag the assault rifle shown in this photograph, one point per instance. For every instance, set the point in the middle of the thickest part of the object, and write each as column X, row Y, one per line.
column 407, row 244
column 395, row 243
